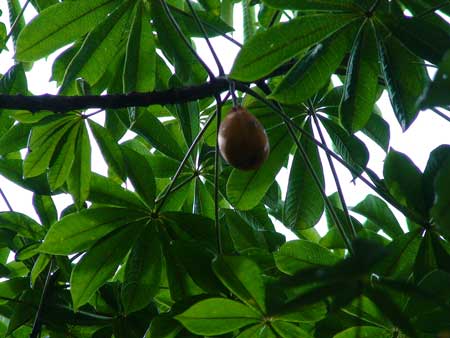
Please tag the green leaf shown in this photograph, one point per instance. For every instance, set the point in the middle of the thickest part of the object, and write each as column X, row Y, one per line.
column 313, row 71
column 405, row 182
column 415, row 34
column 163, row 327
column 77, row 232
column 15, row 138
column 142, row 271
column 298, row 255
column 38, row 267
column 62, row 165
column 186, row 66
column 140, row 174
column 406, row 78
column 361, row 85
column 45, row 209
column 99, row 48
column 351, row 149
column 105, row 191
column 436, row 161
column 271, row 48
column 41, row 151
column 314, row 5
column 140, row 60
column 59, row 25
column 79, row 180
column 378, row 130
column 100, row 263
column 440, row 210
column 402, row 255
column 364, row 332
column 110, row 149
column 148, row 126
column 21, row 224
column 215, row 316
column 304, row 204
column 245, row 189
column 377, row 211
column 289, row 330
column 436, row 93
column 242, row 277
column 304, row 313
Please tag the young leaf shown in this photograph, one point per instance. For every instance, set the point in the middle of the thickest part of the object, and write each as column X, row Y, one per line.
column 304, row 203
column 60, row 25
column 245, row 189
column 313, row 71
column 298, row 255
column 216, row 316
column 269, row 49
column 142, row 271
column 100, row 263
column 242, row 277
column 77, row 232
column 361, row 85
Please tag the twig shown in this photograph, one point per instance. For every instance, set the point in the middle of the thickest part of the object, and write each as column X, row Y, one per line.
column 441, row 114
column 185, row 39
column 16, row 21
column 6, row 200
column 183, row 162
column 205, row 36
column 37, row 324
column 216, row 176
column 335, row 177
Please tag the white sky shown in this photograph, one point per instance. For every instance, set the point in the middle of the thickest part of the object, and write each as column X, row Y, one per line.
column 428, row 132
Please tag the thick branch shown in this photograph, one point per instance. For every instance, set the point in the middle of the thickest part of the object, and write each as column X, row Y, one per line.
column 62, row 104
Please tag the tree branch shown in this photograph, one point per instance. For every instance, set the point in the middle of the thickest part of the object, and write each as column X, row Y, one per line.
column 63, row 104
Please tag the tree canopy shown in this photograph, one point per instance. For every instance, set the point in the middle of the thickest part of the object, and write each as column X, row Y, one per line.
column 176, row 243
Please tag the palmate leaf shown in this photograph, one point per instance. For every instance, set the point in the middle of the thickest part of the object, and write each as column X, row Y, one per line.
column 436, row 93
column 215, row 316
column 313, row 71
column 304, row 204
column 364, row 332
column 15, row 138
column 245, row 189
column 22, row 224
column 270, row 49
column 100, row 263
column 60, row 25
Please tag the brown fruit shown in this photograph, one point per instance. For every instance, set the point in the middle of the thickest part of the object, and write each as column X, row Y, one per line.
column 243, row 141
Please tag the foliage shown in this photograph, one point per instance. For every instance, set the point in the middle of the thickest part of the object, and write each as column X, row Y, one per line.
column 176, row 243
